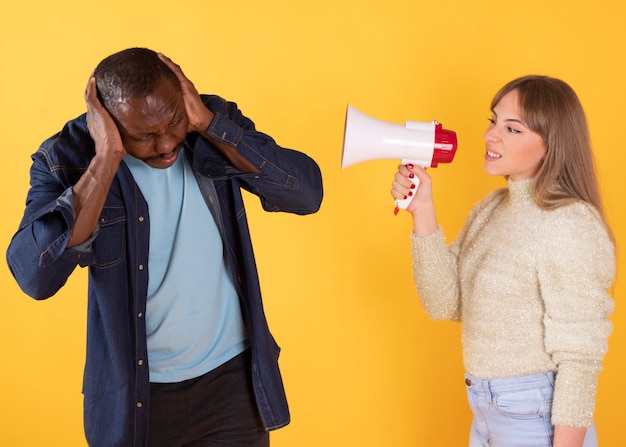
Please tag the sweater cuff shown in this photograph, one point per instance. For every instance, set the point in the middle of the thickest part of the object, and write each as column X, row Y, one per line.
column 574, row 396
column 426, row 244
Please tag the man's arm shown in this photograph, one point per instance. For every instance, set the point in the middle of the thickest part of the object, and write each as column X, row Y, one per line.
column 62, row 212
column 92, row 188
column 287, row 180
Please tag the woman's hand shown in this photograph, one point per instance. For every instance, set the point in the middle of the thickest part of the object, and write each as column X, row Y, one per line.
column 422, row 206
column 569, row 436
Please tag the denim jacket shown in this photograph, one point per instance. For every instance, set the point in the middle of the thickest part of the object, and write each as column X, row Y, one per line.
column 116, row 378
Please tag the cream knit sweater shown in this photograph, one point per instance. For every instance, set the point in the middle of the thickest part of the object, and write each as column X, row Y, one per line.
column 530, row 287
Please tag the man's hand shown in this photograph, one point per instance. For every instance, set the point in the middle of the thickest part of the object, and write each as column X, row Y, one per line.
column 102, row 128
column 199, row 116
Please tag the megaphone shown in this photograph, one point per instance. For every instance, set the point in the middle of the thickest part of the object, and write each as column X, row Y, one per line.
column 420, row 143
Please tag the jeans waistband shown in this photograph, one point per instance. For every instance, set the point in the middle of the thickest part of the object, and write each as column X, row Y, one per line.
column 489, row 386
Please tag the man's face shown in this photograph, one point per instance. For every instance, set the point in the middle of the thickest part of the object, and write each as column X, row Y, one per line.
column 153, row 128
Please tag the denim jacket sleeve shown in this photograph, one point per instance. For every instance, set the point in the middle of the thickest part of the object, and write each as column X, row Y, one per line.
column 289, row 180
column 37, row 254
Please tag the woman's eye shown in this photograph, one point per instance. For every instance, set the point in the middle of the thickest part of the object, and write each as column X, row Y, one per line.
column 512, row 130
column 491, row 120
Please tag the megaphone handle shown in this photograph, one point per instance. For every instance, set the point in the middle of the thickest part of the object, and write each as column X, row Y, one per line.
column 404, row 203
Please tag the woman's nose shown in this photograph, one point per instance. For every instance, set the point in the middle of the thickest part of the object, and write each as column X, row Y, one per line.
column 490, row 134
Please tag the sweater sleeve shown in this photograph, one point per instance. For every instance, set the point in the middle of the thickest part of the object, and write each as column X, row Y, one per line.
column 435, row 264
column 576, row 270
column 435, row 275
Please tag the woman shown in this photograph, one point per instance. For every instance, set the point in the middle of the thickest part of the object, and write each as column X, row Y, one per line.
column 528, row 274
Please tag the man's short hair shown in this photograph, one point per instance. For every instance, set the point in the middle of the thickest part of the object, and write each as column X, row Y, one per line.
column 130, row 73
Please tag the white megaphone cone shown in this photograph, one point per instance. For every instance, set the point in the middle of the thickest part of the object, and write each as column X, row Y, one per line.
column 423, row 144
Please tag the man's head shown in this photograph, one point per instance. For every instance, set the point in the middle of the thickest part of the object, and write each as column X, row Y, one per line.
column 144, row 98
column 131, row 73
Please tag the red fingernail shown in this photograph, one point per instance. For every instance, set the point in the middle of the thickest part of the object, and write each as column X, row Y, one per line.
column 404, row 197
column 412, row 185
column 411, row 175
column 410, row 193
column 410, row 166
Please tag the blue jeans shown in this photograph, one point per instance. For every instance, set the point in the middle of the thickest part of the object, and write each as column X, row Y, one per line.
column 514, row 412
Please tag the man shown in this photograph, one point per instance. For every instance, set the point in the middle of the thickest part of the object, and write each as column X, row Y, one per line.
column 145, row 190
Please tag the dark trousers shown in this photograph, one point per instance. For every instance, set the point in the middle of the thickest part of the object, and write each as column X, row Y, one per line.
column 217, row 409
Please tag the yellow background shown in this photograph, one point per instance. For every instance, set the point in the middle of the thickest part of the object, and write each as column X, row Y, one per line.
column 362, row 364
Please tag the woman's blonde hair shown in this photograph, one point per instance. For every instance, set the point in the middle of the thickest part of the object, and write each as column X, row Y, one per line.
column 551, row 108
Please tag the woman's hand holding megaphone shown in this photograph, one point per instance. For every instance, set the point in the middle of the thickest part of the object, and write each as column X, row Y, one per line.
column 413, row 185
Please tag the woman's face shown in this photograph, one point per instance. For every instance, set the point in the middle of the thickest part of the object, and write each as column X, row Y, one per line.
column 512, row 148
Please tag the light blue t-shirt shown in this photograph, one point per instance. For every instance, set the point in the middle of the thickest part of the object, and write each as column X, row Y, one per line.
column 193, row 316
